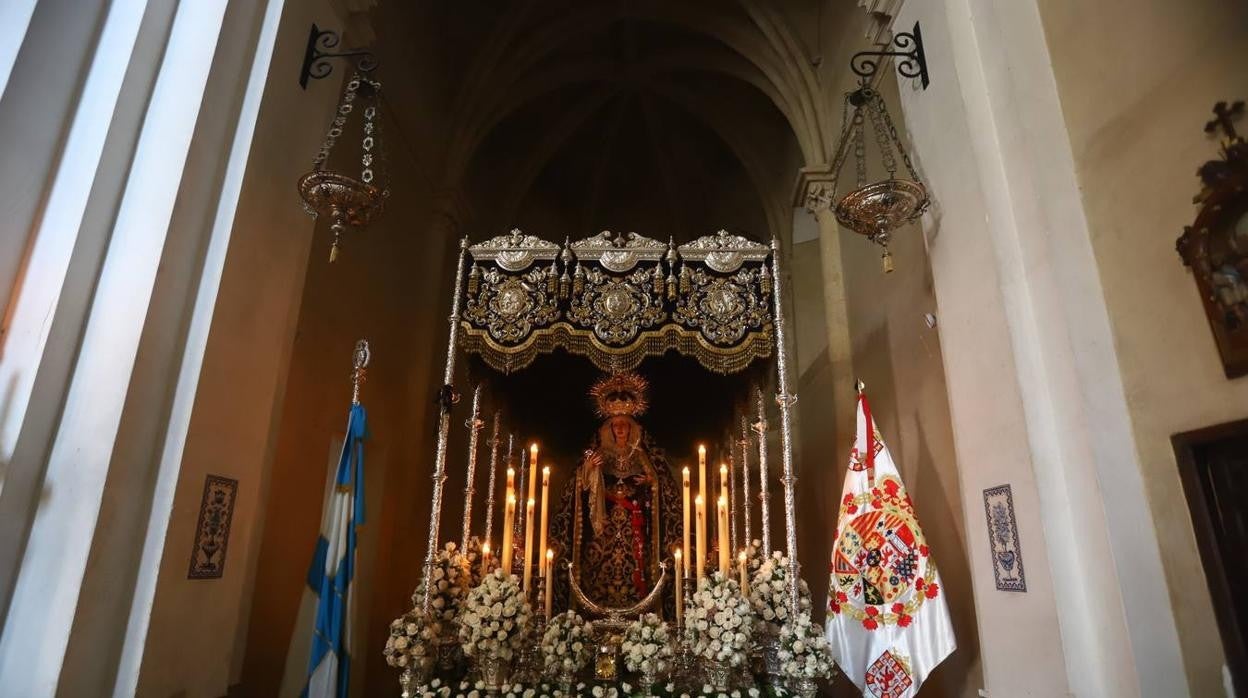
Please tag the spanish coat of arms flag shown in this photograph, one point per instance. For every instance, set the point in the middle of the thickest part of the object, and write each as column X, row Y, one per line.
column 888, row 624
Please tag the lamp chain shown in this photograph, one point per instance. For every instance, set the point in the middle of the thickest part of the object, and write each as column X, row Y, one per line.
column 892, row 133
column 340, row 119
column 876, row 107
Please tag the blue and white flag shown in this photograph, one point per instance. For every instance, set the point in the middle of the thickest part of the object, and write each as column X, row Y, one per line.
column 332, row 571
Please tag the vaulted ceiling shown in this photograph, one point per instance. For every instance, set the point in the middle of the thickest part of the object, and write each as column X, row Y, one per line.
column 669, row 118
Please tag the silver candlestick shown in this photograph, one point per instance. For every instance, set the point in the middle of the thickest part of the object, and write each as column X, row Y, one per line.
column 474, row 424
column 760, row 428
column 745, row 475
column 489, row 500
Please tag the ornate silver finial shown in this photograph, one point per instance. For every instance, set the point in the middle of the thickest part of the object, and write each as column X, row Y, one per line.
column 359, row 367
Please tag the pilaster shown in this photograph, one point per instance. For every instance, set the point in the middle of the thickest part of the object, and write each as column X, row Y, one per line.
column 814, row 191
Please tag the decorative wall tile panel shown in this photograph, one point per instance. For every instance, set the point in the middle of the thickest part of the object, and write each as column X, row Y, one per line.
column 1007, row 551
column 212, row 531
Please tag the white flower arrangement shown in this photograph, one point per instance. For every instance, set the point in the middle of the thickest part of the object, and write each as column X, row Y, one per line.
column 647, row 645
column 566, row 644
column 409, row 640
column 451, row 581
column 769, row 595
column 804, row 651
column 496, row 617
column 719, row 620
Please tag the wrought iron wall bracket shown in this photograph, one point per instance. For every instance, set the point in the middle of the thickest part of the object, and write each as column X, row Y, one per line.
column 319, row 51
column 906, row 48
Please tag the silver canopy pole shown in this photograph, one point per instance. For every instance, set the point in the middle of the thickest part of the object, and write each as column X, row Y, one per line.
column 446, row 399
column 785, row 400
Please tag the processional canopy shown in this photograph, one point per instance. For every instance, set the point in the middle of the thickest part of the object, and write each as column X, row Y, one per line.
column 618, row 298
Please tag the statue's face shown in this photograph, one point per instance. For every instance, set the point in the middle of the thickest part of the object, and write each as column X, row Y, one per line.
column 619, row 429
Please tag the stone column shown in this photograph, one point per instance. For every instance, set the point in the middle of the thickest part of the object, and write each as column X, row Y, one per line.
column 1035, row 390
column 814, row 193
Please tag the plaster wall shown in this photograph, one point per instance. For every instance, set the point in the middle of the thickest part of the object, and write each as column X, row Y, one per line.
column 1135, row 120
column 869, row 325
column 985, row 399
column 1015, row 270
column 390, row 285
column 235, row 406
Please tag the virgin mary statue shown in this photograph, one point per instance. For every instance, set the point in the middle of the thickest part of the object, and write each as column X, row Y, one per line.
column 620, row 516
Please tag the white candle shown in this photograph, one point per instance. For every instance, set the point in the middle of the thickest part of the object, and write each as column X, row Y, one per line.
column 687, row 532
column 545, row 506
column 745, row 582
column 509, row 518
column 722, row 534
column 533, row 471
column 485, row 558
column 527, row 561
column 702, row 473
column 550, row 575
column 699, row 561
column 680, row 582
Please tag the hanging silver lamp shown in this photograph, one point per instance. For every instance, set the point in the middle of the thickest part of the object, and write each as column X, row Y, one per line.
column 349, row 201
column 875, row 209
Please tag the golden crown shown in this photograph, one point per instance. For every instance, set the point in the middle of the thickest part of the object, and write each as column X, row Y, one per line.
column 620, row 394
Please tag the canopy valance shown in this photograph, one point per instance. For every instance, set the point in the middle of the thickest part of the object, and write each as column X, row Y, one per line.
column 618, row 298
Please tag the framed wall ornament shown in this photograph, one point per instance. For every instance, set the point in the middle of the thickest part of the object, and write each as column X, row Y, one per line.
column 1215, row 246
column 1007, row 551
column 212, row 529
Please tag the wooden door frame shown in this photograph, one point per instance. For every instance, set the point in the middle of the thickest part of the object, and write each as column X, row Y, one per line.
column 1185, row 446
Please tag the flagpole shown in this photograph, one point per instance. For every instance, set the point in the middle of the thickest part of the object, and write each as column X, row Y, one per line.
column 489, row 501
column 785, row 400
column 331, row 574
column 446, row 399
column 474, row 424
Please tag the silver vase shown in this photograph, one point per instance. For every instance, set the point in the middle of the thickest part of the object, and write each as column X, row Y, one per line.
column 495, row 672
column 406, row 682
column 718, row 675
column 803, row 686
column 647, row 680
column 565, row 679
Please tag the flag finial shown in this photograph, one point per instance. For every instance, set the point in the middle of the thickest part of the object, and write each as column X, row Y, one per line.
column 359, row 366
column 860, row 385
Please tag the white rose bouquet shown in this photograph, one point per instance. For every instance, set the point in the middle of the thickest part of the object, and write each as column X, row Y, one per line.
column 804, row 651
column 566, row 644
column 769, row 595
column 647, row 645
column 495, row 620
column 451, row 582
column 408, row 644
column 719, row 620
